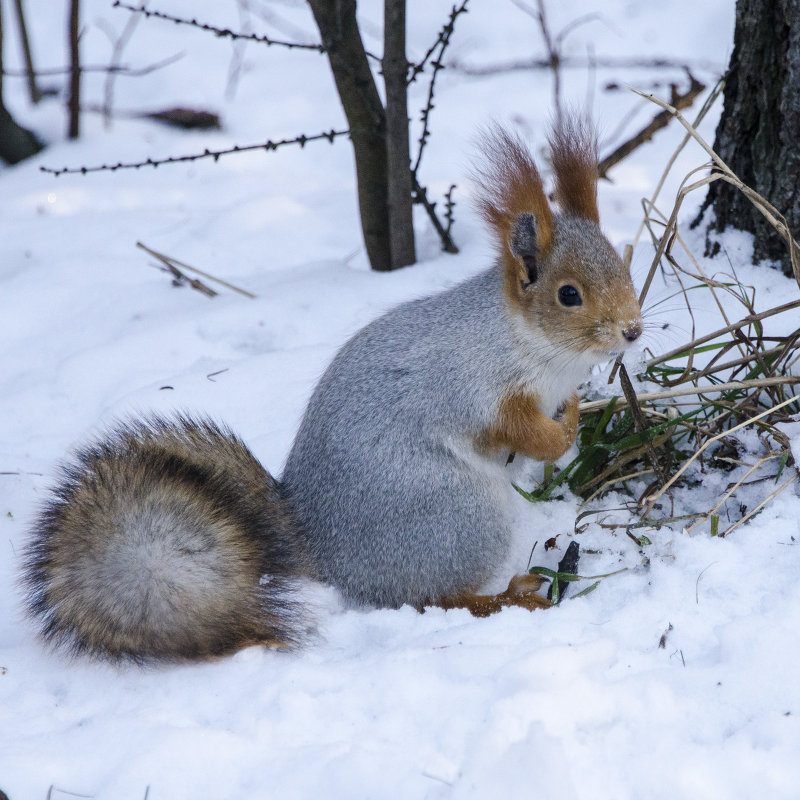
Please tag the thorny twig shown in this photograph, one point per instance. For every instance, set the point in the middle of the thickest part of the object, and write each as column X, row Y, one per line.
column 444, row 33
column 269, row 145
column 441, row 43
column 449, row 205
column 221, row 32
column 421, row 197
column 419, row 192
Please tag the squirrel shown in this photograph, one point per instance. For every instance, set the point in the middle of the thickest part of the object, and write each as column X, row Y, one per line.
column 167, row 540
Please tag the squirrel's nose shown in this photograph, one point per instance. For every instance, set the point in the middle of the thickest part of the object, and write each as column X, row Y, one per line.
column 632, row 332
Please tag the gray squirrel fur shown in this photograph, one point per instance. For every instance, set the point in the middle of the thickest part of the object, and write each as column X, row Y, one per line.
column 422, row 364
column 168, row 541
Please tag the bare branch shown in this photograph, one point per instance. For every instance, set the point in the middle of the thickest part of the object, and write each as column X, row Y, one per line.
column 575, row 24
column 118, row 44
column 362, row 105
column 659, row 121
column 553, row 44
column 122, row 69
column 434, row 56
column 582, row 62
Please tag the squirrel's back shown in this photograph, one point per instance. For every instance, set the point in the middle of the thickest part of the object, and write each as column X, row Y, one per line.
column 154, row 544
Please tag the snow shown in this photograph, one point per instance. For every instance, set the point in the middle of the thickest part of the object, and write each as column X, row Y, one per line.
column 579, row 701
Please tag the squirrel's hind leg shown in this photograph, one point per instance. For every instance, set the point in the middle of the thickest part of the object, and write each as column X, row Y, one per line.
column 521, row 592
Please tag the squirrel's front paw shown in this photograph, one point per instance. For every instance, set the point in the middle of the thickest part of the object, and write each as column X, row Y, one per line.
column 568, row 419
column 557, row 435
column 522, row 427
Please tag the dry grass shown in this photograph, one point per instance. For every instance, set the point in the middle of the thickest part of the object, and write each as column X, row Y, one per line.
column 712, row 388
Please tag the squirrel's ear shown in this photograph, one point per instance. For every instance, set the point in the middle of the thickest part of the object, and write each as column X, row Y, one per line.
column 522, row 242
column 512, row 200
column 573, row 145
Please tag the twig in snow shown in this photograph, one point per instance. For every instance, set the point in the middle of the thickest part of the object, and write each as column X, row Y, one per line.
column 174, row 264
column 662, row 642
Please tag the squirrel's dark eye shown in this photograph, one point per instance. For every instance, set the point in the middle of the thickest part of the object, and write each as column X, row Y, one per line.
column 569, row 296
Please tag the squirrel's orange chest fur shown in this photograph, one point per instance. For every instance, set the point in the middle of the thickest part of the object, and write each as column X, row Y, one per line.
column 521, row 427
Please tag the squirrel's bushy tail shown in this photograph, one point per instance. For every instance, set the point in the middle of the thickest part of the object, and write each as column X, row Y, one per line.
column 165, row 541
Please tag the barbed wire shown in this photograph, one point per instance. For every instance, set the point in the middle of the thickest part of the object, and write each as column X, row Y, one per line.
column 269, row 145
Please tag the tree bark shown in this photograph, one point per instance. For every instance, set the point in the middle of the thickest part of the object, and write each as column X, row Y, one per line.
column 395, row 76
column 758, row 132
column 16, row 142
column 336, row 20
column 33, row 89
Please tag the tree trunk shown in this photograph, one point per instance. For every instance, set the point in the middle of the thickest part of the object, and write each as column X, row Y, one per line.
column 395, row 76
column 336, row 20
column 75, row 70
column 758, row 132
column 16, row 142
column 33, row 89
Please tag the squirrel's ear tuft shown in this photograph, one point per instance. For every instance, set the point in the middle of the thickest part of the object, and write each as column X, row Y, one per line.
column 512, row 200
column 523, row 244
column 573, row 144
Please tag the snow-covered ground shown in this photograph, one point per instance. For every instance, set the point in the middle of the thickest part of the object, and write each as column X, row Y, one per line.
column 577, row 702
